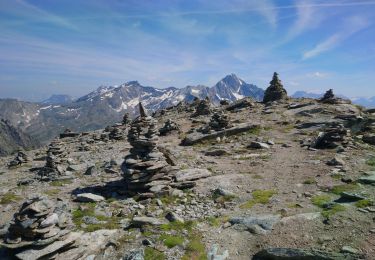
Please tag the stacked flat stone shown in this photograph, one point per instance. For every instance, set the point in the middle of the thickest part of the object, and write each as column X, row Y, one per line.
column 275, row 91
column 18, row 160
column 145, row 168
column 51, row 170
column 126, row 119
column 333, row 136
column 219, row 121
column 328, row 97
column 39, row 222
column 116, row 134
column 203, row 107
column 169, row 126
column 55, row 147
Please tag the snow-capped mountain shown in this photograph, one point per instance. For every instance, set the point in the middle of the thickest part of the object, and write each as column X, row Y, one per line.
column 107, row 104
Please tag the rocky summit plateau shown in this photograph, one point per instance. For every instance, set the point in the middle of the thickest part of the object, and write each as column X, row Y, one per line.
column 271, row 177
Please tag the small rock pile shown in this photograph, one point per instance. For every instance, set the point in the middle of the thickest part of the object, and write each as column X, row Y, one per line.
column 51, row 170
column 169, row 126
column 145, row 168
column 68, row 133
column 19, row 159
column 116, row 134
column 330, row 98
column 333, row 136
column 219, row 121
column 38, row 223
column 275, row 91
column 202, row 108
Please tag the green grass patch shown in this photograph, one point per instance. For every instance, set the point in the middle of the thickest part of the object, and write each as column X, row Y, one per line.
column 195, row 250
column 327, row 213
column 364, row 203
column 153, row 254
column 259, row 197
column 216, row 222
column 344, row 188
column 52, row 192
column 309, row 181
column 257, row 177
column 89, row 210
column 172, row 241
column 179, row 226
column 254, row 131
column 8, row 198
column 320, row 200
column 371, row 161
column 60, row 183
column 168, row 200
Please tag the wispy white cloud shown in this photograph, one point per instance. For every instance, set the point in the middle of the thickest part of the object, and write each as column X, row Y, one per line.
column 27, row 12
column 351, row 26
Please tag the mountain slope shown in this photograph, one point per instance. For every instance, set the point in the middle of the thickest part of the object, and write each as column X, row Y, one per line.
column 12, row 139
column 58, row 100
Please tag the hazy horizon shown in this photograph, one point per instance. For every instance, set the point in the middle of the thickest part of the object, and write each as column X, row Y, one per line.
column 73, row 47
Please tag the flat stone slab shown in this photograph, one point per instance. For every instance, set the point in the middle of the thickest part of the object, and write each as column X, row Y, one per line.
column 196, row 137
column 192, row 174
column 370, row 179
column 89, row 197
column 33, row 254
column 264, row 222
column 141, row 221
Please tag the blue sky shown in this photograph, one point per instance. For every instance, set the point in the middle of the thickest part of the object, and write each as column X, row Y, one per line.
column 72, row 46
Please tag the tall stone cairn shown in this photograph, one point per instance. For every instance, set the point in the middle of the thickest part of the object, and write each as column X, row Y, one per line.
column 328, row 97
column 126, row 119
column 203, row 107
column 275, row 91
column 145, row 168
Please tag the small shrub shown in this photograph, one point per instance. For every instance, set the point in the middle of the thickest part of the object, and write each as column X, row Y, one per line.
column 153, row 254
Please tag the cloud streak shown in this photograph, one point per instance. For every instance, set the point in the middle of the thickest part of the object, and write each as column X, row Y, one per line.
column 353, row 25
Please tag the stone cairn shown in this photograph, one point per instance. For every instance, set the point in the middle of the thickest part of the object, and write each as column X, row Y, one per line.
column 328, row 97
column 116, row 134
column 145, row 168
column 169, row 126
column 126, row 119
column 51, row 170
column 219, row 121
column 275, row 91
column 18, row 160
column 333, row 136
column 202, row 108
column 68, row 133
column 38, row 223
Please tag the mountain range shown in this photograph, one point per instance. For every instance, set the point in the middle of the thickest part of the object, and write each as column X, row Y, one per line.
column 107, row 104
